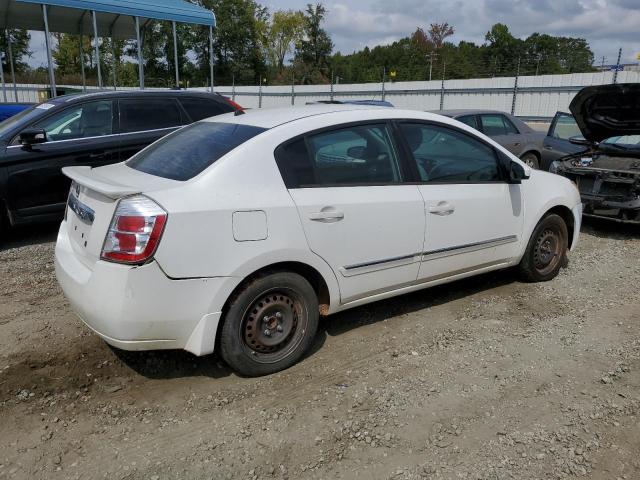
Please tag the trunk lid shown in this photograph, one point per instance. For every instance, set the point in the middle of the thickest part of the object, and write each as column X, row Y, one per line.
column 93, row 198
column 605, row 111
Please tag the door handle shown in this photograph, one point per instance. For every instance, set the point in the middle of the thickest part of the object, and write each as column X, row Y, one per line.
column 546, row 147
column 442, row 209
column 96, row 155
column 326, row 216
column 516, row 144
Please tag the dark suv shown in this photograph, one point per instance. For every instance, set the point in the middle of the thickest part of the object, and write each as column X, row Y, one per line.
column 91, row 129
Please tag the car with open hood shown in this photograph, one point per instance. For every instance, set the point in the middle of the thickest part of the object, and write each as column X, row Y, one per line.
column 235, row 233
column 606, row 168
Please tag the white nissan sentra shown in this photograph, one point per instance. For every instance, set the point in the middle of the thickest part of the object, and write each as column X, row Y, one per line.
column 236, row 233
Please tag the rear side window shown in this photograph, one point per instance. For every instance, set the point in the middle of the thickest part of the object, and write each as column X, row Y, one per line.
column 469, row 120
column 187, row 152
column 493, row 125
column 137, row 115
column 199, row 108
column 348, row 156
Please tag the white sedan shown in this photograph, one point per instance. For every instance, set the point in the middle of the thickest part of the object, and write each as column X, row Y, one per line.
column 236, row 233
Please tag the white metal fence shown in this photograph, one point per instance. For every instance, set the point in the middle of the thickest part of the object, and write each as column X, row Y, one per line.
column 531, row 97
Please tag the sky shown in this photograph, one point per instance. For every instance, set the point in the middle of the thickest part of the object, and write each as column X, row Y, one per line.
column 606, row 24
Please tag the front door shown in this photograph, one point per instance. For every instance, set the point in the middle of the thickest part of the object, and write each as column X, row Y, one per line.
column 78, row 135
column 357, row 214
column 473, row 217
column 556, row 143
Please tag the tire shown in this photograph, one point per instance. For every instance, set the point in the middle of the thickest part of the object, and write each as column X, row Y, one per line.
column 531, row 159
column 270, row 324
column 547, row 250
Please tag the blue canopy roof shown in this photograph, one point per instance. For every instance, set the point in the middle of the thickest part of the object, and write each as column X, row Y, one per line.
column 114, row 17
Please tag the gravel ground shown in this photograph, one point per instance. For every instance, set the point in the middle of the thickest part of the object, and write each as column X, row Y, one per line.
column 487, row 378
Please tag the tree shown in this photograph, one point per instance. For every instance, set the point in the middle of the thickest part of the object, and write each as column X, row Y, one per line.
column 279, row 37
column 503, row 50
column 19, row 48
column 237, row 47
column 313, row 51
column 438, row 33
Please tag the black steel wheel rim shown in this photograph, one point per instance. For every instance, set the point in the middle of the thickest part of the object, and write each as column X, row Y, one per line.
column 548, row 250
column 273, row 325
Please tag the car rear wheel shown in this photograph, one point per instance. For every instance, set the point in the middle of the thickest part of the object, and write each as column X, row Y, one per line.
column 531, row 160
column 269, row 324
column 547, row 250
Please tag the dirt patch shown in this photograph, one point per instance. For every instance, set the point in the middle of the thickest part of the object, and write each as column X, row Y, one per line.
column 481, row 379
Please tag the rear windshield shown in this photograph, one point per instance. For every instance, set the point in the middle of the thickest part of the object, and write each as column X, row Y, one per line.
column 187, row 152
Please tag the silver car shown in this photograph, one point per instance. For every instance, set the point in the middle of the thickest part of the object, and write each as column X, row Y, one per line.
column 509, row 131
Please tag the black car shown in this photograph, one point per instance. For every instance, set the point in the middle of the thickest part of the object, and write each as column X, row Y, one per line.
column 607, row 170
column 91, row 129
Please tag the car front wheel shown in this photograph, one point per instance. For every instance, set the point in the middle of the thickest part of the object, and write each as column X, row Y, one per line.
column 269, row 324
column 531, row 160
column 547, row 250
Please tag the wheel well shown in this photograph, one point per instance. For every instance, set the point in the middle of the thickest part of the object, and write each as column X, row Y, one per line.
column 536, row 153
column 566, row 214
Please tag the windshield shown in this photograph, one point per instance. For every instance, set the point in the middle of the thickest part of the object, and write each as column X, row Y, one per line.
column 185, row 153
column 627, row 141
column 25, row 115
column 566, row 128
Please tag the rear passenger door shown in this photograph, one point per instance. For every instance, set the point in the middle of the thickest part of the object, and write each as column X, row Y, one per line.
column 358, row 214
column 145, row 120
column 501, row 129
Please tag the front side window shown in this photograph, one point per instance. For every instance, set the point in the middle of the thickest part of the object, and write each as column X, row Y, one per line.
column 444, row 155
column 187, row 152
column 138, row 115
column 566, row 128
column 92, row 119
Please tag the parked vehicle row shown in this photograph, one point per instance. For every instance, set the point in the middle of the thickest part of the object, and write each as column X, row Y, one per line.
column 235, row 233
column 92, row 129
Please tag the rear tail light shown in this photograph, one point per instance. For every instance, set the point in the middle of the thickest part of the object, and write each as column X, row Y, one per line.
column 135, row 231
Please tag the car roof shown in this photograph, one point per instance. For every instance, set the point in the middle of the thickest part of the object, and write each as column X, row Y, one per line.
column 462, row 111
column 272, row 117
column 72, row 97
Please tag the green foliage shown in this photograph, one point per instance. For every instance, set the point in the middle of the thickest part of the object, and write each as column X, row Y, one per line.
column 19, row 48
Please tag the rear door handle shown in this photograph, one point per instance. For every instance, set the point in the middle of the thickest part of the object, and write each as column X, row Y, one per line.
column 97, row 155
column 442, row 209
column 547, row 147
column 326, row 216
column 516, row 144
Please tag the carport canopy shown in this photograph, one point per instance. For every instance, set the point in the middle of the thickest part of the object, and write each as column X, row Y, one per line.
column 120, row 19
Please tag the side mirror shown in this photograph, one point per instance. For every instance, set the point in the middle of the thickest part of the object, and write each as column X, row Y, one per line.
column 32, row 136
column 580, row 140
column 517, row 173
column 356, row 152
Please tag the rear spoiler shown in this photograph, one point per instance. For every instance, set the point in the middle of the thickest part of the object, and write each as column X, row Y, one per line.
column 89, row 178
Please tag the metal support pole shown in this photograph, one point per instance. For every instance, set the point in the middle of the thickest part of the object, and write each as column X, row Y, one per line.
column 615, row 74
column 97, row 47
column 233, row 87
column 47, row 41
column 444, row 71
column 293, row 90
column 515, row 89
column 260, row 92
column 115, row 66
column 331, row 94
column 4, row 89
column 140, row 59
column 13, row 72
column 384, row 75
column 84, row 80
column 175, row 53
column 211, row 55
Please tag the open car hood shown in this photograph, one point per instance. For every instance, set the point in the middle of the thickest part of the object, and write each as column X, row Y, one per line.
column 605, row 111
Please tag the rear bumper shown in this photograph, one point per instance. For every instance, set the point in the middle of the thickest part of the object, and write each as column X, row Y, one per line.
column 140, row 308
